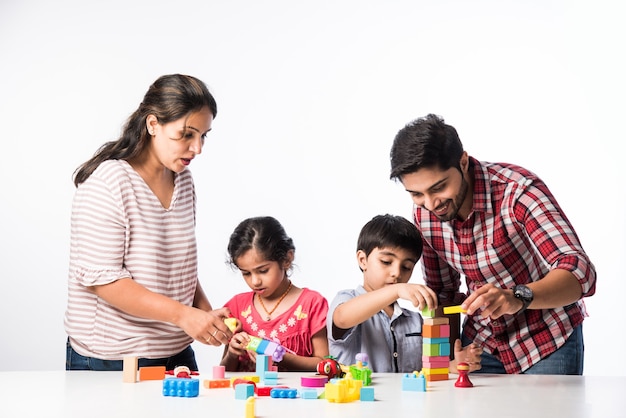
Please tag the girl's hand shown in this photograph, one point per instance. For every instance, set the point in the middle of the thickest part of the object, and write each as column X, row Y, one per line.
column 238, row 344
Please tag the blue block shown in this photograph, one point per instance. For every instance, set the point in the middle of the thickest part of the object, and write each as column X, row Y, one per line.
column 185, row 388
column 308, row 394
column 284, row 393
column 367, row 394
column 243, row 391
column 413, row 383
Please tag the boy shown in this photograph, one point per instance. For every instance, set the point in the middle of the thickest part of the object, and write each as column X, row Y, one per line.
column 369, row 320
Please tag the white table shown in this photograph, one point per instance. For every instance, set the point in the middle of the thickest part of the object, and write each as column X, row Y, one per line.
column 103, row 394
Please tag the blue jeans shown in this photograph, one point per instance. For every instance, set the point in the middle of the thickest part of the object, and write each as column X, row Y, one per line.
column 569, row 359
column 74, row 361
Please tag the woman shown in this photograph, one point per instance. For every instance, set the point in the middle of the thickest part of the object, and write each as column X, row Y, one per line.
column 133, row 287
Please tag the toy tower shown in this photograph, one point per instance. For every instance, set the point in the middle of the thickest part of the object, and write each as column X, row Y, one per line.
column 436, row 346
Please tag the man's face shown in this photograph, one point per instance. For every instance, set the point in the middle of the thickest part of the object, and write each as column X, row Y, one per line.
column 441, row 192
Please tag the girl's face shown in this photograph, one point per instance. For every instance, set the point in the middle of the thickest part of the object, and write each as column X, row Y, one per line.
column 176, row 143
column 385, row 266
column 262, row 276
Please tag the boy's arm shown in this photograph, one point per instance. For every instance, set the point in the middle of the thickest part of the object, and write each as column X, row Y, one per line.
column 360, row 308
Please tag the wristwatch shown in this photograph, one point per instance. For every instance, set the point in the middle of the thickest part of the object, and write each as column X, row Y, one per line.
column 523, row 293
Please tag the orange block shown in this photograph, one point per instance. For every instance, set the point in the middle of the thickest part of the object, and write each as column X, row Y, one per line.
column 152, row 373
column 436, row 377
column 430, row 331
column 216, row 383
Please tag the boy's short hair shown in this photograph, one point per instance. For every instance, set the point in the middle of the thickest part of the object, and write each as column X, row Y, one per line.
column 390, row 231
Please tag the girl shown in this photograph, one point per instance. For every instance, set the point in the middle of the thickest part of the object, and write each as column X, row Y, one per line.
column 275, row 309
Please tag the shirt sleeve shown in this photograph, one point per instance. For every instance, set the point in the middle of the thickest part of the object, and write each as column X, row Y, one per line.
column 553, row 235
column 98, row 234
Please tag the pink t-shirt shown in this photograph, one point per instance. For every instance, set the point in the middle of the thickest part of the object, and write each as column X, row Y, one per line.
column 293, row 329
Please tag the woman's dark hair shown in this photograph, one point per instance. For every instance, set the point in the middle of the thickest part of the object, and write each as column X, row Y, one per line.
column 169, row 98
column 390, row 231
column 263, row 233
column 426, row 142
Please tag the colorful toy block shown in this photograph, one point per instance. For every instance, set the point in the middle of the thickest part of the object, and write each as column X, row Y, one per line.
column 250, row 406
column 284, row 393
column 363, row 374
column 313, row 381
column 231, row 323
column 181, row 387
column 152, row 373
column 367, row 394
column 308, row 394
column 243, row 391
column 428, row 313
column 219, row 372
column 129, row 369
column 266, row 390
column 216, row 383
column 413, row 382
column 267, row 347
column 343, row 390
column 447, row 310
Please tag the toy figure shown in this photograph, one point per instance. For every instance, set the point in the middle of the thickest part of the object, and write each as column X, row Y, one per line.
column 330, row 367
column 463, row 381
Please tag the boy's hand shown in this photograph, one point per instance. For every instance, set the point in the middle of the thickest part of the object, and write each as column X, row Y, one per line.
column 469, row 354
column 419, row 295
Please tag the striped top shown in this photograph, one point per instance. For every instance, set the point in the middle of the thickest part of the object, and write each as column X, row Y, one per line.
column 119, row 229
column 515, row 234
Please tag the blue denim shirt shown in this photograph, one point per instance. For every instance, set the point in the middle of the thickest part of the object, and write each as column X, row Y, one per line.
column 393, row 345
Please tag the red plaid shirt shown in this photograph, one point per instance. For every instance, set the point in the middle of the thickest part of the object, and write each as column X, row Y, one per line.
column 515, row 234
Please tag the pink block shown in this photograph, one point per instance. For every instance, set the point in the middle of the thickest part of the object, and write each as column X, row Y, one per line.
column 218, row 372
column 444, row 331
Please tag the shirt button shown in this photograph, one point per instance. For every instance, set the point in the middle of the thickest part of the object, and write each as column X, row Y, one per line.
column 467, row 257
column 395, row 355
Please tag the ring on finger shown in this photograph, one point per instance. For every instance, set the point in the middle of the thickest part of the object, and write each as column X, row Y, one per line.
column 213, row 335
column 208, row 340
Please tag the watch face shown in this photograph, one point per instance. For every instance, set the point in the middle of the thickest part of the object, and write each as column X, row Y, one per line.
column 523, row 292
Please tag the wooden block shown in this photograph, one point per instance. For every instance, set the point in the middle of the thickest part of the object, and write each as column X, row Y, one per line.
column 130, row 369
column 436, row 321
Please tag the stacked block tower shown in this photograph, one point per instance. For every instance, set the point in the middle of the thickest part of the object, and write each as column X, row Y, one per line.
column 436, row 346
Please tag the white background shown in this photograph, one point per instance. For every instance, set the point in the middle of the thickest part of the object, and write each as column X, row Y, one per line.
column 310, row 96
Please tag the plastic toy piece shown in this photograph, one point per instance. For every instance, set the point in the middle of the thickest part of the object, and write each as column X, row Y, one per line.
column 181, row 387
column 266, row 390
column 219, row 372
column 129, row 369
column 330, row 367
column 308, row 394
column 250, row 404
column 152, row 373
column 453, row 309
column 290, row 393
column 243, row 391
column 252, row 378
column 313, row 381
column 182, row 372
column 428, row 313
column 463, row 381
column 413, row 382
column 239, row 381
column 343, row 390
column 231, row 323
column 267, row 347
column 216, row 383
column 367, row 394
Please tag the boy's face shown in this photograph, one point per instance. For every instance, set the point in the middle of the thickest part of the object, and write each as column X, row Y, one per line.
column 385, row 266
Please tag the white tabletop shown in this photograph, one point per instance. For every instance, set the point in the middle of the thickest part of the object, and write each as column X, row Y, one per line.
column 103, row 394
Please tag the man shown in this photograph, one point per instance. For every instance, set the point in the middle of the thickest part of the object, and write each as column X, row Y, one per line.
column 499, row 226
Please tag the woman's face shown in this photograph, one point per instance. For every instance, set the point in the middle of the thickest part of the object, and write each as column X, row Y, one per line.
column 175, row 144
